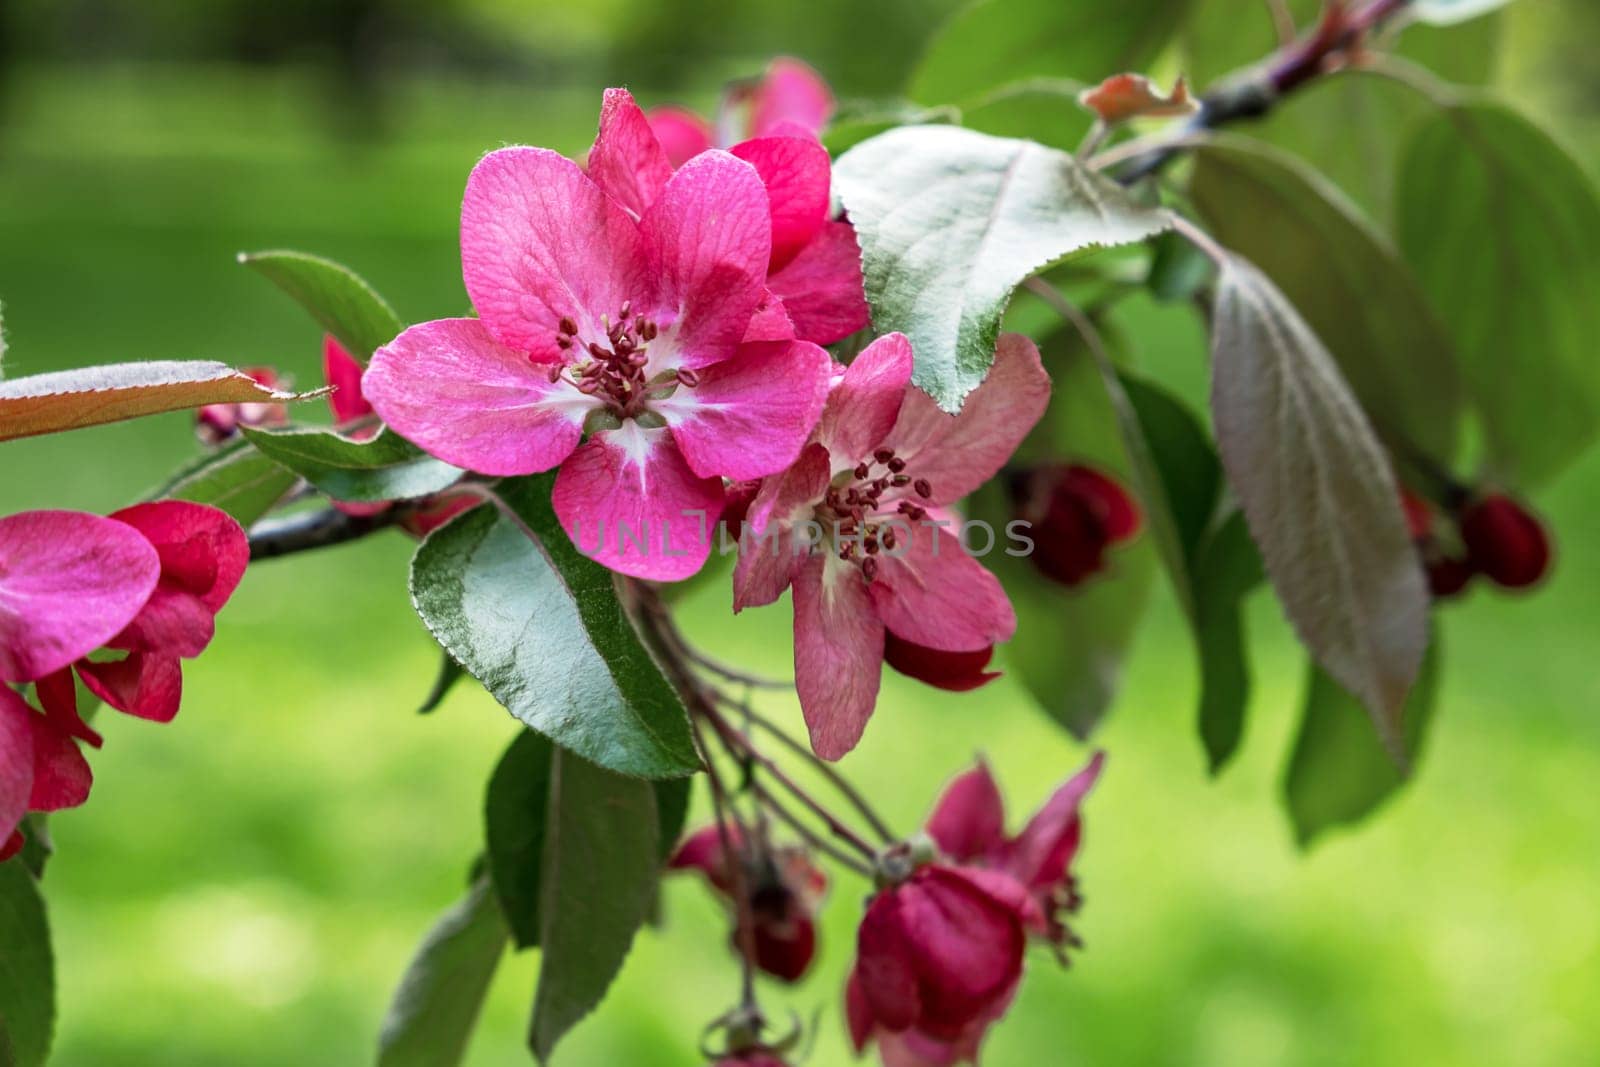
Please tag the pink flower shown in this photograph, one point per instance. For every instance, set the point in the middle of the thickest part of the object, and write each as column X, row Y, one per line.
column 69, row 582
column 814, row 272
column 612, row 347
column 790, row 100
column 41, row 768
column 216, row 423
column 855, row 528
column 968, row 825
column 938, row 960
column 202, row 554
column 1077, row 514
column 784, row 889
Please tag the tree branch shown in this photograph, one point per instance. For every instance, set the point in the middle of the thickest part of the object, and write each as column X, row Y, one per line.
column 1253, row 93
column 316, row 529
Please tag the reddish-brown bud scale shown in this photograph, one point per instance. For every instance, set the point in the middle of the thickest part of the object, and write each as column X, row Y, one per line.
column 1505, row 542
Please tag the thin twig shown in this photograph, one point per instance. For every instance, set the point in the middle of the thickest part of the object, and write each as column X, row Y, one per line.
column 273, row 538
column 771, row 803
column 732, row 858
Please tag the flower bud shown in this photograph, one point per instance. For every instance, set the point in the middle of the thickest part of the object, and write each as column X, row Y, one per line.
column 1505, row 542
column 218, row 423
column 1076, row 513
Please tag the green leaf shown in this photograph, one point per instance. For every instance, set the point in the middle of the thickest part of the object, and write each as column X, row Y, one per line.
column 601, row 856
column 114, row 392
column 1450, row 12
column 515, row 811
column 27, row 970
column 993, row 42
column 387, row 467
column 672, row 809
column 1339, row 773
column 238, row 479
column 539, row 624
column 1227, row 567
column 450, row 673
column 1038, row 109
column 1318, row 494
column 1178, row 270
column 336, row 297
column 1344, row 278
column 433, row 1012
column 950, row 221
column 1503, row 229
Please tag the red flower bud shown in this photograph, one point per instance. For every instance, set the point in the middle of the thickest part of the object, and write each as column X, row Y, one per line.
column 1448, row 576
column 783, row 888
column 1077, row 513
column 1505, row 542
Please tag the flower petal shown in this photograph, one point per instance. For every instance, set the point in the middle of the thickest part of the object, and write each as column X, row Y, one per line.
column 61, row 776
column 958, row 453
column 630, row 502
column 627, row 160
column 769, row 557
column 203, row 550
column 969, row 819
column 838, row 653
column 796, row 172
column 702, row 851
column 682, row 134
column 1041, row 855
column 865, row 402
column 540, row 242
column 793, row 93
column 68, row 583
column 450, row 388
column 709, row 236
column 146, row 684
column 954, row 672
column 821, row 286
column 968, row 946
column 932, row 593
column 888, row 979
column 749, row 416
column 770, row 322
column 16, row 761
column 58, row 695
column 343, row 371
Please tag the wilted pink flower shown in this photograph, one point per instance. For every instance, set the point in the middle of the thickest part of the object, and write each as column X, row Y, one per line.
column 610, row 347
column 870, row 489
column 41, row 768
column 814, row 272
column 790, row 100
column 69, row 582
column 1077, row 514
column 203, row 554
column 216, row 423
column 938, row 960
column 784, row 889
column 968, row 825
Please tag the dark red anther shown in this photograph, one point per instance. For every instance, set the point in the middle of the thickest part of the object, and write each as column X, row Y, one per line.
column 597, row 352
column 870, row 544
column 554, row 373
column 588, row 385
column 897, row 464
column 688, row 376
column 869, row 567
column 567, row 326
column 862, row 469
column 626, row 310
column 563, row 342
column 889, row 539
column 883, row 455
column 923, row 488
column 900, row 481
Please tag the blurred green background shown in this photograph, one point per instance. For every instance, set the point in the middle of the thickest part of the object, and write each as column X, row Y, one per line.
column 247, row 884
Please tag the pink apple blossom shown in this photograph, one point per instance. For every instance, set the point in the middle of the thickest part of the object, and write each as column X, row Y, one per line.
column 203, row 554
column 939, row 957
column 613, row 348
column 871, row 486
column 814, row 271
column 968, row 825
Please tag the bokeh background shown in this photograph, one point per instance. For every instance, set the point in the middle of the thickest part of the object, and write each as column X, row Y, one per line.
column 248, row 883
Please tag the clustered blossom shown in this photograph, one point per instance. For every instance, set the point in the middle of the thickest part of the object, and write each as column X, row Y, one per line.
column 860, row 527
column 940, row 951
column 146, row 581
column 639, row 353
